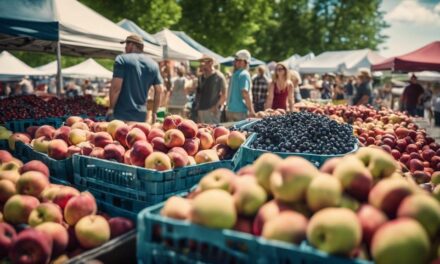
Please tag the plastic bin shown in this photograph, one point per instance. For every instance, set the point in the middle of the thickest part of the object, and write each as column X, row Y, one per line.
column 118, row 250
column 59, row 169
column 248, row 155
column 166, row 240
column 4, row 144
column 23, row 124
column 132, row 188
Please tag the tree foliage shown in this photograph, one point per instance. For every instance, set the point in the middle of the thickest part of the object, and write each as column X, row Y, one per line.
column 270, row 29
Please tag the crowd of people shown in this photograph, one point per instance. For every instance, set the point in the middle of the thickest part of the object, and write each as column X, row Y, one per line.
column 141, row 86
column 209, row 96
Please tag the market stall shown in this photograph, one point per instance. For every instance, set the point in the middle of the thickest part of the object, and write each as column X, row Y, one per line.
column 426, row 58
column 12, row 68
column 346, row 62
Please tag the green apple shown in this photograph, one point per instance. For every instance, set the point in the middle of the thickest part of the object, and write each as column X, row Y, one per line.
column 402, row 241
column 335, row 231
column 324, row 191
column 263, row 168
column 424, row 209
column 214, row 208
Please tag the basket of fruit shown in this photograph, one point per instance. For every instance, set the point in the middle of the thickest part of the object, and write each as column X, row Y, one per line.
column 311, row 136
column 43, row 221
column 355, row 209
column 133, row 166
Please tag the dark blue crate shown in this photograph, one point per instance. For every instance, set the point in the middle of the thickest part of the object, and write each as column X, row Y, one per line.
column 4, row 145
column 133, row 188
column 23, row 124
column 59, row 169
column 165, row 240
column 243, row 124
column 248, row 154
column 271, row 251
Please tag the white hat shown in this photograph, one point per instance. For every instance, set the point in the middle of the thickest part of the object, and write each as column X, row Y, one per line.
column 243, row 55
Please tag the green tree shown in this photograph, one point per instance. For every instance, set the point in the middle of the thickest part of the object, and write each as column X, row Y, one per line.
column 344, row 24
column 150, row 15
column 225, row 26
column 284, row 35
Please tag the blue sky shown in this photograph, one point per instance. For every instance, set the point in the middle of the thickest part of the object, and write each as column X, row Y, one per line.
column 414, row 23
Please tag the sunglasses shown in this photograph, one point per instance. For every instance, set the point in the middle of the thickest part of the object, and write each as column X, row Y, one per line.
column 280, row 69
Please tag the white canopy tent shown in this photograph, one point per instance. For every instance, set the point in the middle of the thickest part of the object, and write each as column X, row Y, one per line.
column 81, row 31
column 295, row 60
column 427, row 76
column 88, row 69
column 48, row 69
column 13, row 68
column 174, row 48
column 347, row 62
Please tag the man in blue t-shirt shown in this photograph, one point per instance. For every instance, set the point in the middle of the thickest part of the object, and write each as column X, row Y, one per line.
column 239, row 104
column 133, row 75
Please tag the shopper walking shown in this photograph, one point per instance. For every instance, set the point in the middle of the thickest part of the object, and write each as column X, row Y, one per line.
column 239, row 104
column 211, row 92
column 411, row 97
column 363, row 94
column 260, row 85
column 133, row 75
column 280, row 93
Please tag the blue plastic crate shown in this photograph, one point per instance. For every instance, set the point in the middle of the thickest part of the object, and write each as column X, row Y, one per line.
column 4, row 144
column 248, row 155
column 271, row 251
column 23, row 124
column 59, row 169
column 133, row 188
column 244, row 123
column 165, row 240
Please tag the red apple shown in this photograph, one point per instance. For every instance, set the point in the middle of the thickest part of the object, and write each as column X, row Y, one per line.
column 140, row 151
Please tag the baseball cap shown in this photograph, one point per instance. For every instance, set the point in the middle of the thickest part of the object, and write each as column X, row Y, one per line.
column 206, row 58
column 133, row 38
column 243, row 55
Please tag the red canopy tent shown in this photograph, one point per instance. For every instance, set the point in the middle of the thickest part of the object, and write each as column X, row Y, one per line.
column 427, row 58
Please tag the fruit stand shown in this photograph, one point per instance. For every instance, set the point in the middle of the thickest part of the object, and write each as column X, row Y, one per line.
column 323, row 184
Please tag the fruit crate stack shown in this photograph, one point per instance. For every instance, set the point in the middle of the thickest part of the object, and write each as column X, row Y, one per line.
column 130, row 166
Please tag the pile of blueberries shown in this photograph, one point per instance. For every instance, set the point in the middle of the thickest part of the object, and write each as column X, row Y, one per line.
column 303, row 132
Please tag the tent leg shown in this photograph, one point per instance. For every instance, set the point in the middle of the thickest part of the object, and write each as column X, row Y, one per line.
column 59, row 75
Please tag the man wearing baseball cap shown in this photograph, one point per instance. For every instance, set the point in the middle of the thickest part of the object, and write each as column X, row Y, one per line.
column 133, row 75
column 239, row 104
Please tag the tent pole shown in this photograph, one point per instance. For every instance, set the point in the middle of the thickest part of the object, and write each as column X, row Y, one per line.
column 59, row 75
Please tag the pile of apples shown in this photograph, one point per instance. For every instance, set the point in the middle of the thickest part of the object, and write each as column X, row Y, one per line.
column 358, row 206
column 176, row 143
column 40, row 221
column 32, row 106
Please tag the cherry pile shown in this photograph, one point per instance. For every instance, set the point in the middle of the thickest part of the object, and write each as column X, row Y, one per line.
column 34, row 107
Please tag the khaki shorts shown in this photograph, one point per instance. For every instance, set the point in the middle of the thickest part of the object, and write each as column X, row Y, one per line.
column 209, row 117
column 235, row 116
